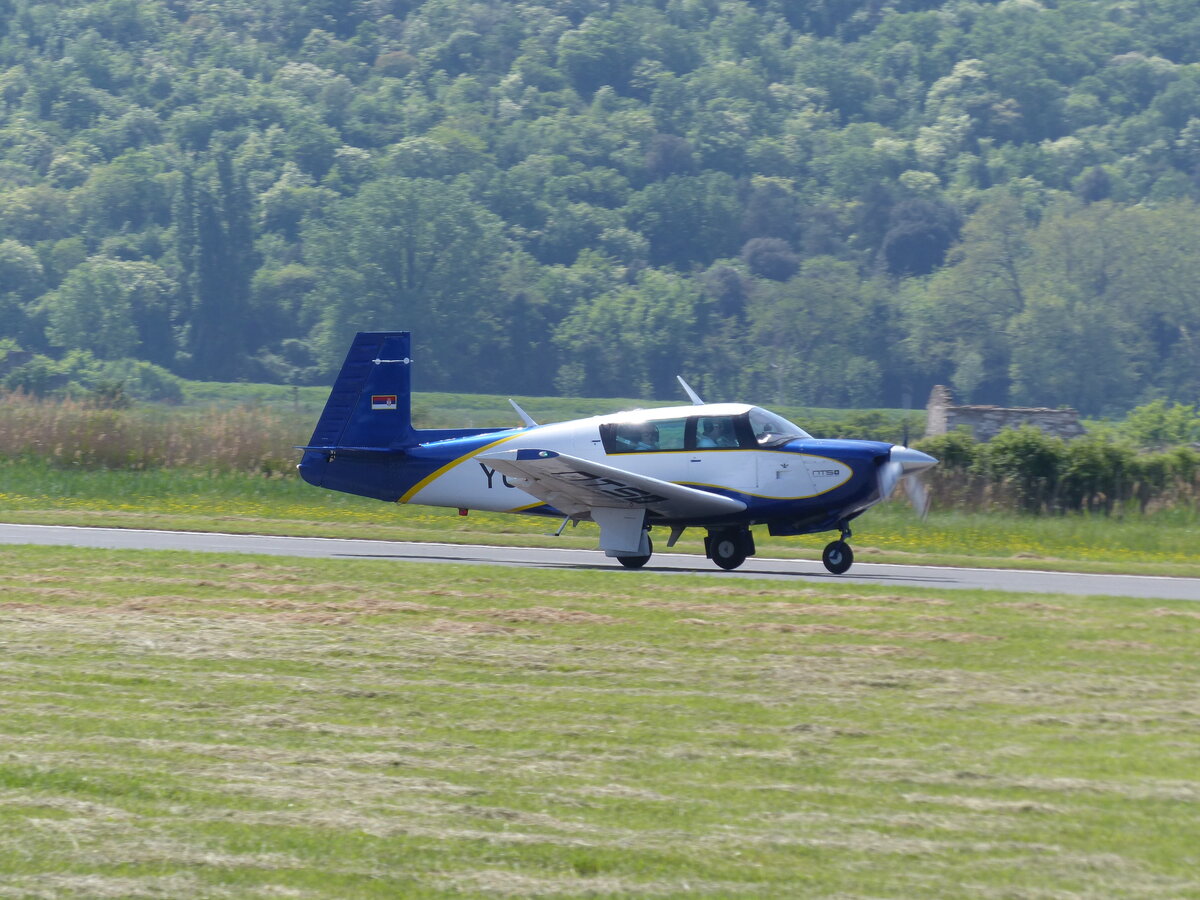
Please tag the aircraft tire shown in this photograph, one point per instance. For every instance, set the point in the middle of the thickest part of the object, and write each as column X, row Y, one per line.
column 727, row 551
column 636, row 562
column 837, row 557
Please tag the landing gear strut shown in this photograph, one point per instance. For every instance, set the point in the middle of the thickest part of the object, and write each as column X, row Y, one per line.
column 729, row 547
column 837, row 556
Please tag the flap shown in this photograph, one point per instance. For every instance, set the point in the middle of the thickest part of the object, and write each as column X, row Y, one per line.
column 576, row 486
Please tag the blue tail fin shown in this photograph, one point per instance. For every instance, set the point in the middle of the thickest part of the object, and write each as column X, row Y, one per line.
column 369, row 408
column 364, row 442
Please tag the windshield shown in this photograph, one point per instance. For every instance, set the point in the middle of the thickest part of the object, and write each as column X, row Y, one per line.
column 769, row 428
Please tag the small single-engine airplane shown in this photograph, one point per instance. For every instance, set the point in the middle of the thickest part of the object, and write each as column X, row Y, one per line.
column 719, row 466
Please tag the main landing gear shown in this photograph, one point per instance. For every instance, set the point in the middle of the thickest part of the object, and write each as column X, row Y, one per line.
column 837, row 555
column 729, row 547
column 636, row 562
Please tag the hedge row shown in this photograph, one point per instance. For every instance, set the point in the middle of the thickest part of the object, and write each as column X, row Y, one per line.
column 1024, row 469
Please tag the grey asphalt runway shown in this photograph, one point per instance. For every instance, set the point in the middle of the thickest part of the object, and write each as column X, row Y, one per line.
column 551, row 558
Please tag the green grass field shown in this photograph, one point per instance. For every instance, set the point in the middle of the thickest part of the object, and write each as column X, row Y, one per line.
column 1167, row 543
column 181, row 725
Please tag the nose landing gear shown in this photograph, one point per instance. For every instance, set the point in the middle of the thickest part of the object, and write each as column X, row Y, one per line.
column 837, row 556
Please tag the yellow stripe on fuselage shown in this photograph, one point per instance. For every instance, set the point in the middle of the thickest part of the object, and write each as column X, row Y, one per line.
column 724, row 487
column 433, row 476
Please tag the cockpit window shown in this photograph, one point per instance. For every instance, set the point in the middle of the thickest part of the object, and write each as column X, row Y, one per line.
column 769, row 428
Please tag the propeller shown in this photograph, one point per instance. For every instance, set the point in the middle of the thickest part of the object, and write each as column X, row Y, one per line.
column 918, row 495
column 905, row 464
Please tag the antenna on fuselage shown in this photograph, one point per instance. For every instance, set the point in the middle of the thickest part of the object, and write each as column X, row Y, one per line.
column 525, row 417
column 695, row 398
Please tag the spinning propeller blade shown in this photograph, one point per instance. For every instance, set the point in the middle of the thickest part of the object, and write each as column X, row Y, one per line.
column 917, row 495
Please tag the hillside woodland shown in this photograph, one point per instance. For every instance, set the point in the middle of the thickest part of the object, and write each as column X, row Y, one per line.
column 829, row 203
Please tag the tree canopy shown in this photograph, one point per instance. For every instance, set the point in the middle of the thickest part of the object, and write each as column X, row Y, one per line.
column 824, row 203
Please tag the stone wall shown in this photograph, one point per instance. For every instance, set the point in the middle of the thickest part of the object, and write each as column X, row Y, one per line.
column 985, row 422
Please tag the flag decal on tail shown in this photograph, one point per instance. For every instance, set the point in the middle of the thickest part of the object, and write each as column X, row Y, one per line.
column 383, row 401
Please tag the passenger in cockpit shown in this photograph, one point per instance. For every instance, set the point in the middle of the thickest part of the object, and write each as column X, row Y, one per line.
column 716, row 433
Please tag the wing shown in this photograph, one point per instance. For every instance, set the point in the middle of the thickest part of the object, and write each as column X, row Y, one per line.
column 577, row 486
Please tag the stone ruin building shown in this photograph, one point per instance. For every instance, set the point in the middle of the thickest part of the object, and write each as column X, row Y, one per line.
column 985, row 422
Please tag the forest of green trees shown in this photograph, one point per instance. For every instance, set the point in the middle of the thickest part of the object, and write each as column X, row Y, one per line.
column 831, row 203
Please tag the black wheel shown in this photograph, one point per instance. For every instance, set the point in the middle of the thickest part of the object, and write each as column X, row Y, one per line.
column 727, row 551
column 838, row 557
column 636, row 562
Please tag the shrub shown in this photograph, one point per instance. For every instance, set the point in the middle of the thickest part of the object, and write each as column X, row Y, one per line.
column 1097, row 473
column 955, row 450
column 1169, row 477
column 1160, row 424
column 80, row 374
column 142, row 380
column 1028, row 461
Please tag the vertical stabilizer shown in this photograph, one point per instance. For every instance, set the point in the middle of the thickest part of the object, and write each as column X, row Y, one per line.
column 370, row 404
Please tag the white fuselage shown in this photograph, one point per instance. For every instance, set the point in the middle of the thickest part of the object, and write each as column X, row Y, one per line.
column 769, row 474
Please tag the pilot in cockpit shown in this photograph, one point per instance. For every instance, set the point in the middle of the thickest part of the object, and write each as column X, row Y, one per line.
column 632, row 438
column 648, row 440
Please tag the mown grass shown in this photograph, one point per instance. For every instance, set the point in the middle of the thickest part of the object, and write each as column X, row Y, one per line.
column 1164, row 543
column 207, row 726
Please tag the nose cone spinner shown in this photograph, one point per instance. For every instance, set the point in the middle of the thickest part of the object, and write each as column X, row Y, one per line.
column 911, row 461
column 906, row 463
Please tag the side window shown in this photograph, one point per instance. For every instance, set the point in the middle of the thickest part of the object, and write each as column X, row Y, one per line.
column 715, row 432
column 620, row 437
column 643, row 437
column 671, row 434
